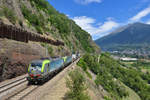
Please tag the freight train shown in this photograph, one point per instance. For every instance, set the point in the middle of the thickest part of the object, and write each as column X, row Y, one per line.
column 42, row 70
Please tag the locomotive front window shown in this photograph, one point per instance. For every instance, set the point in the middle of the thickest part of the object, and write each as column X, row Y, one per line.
column 36, row 65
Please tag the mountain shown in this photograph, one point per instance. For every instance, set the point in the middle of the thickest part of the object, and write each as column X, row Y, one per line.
column 40, row 17
column 133, row 36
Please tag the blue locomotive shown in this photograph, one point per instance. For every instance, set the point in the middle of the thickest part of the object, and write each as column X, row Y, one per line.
column 43, row 69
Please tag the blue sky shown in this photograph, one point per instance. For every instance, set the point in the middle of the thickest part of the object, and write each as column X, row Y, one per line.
column 101, row 17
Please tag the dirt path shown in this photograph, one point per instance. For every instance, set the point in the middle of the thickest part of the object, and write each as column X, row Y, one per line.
column 57, row 92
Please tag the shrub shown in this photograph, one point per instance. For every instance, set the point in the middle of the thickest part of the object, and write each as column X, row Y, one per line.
column 9, row 14
column 32, row 18
column 76, row 84
column 106, row 98
column 82, row 64
column 44, row 5
column 37, row 20
column 39, row 30
column 50, row 50
column 88, row 74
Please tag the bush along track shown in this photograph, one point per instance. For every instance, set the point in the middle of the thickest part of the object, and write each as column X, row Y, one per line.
column 110, row 73
column 77, row 87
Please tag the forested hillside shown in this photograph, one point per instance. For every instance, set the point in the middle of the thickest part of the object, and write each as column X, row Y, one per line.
column 112, row 73
column 39, row 16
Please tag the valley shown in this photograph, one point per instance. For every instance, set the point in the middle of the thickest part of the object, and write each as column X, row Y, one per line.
column 48, row 50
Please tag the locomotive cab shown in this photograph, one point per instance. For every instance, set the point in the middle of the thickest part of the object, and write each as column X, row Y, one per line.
column 37, row 69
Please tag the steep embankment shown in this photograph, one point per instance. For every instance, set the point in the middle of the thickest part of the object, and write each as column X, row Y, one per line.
column 115, row 77
column 40, row 17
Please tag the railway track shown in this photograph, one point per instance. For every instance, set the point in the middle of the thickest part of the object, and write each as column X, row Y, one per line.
column 18, row 89
column 8, row 88
column 5, row 85
column 22, row 93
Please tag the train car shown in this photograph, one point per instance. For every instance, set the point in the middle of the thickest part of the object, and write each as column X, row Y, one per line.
column 78, row 54
column 74, row 57
column 56, row 65
column 68, row 60
column 41, row 70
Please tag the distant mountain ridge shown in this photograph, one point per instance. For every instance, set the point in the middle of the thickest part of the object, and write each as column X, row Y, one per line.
column 133, row 35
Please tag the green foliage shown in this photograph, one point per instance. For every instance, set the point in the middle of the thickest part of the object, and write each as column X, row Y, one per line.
column 9, row 14
column 48, row 47
column 43, row 44
column 88, row 74
column 62, row 23
column 40, row 3
column 106, row 98
column 143, row 64
column 39, row 30
column 76, row 84
column 104, row 76
column 37, row 20
column 92, row 63
column 82, row 64
column 66, row 26
column 110, row 85
column 44, row 5
column 129, row 76
column 50, row 50
column 83, row 37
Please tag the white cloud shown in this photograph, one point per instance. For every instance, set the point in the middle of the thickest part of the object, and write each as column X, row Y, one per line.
column 100, row 30
column 140, row 15
column 67, row 15
column 148, row 22
column 85, row 23
column 87, row 1
column 107, row 26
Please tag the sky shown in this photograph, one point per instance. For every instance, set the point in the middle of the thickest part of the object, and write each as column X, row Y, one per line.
column 100, row 17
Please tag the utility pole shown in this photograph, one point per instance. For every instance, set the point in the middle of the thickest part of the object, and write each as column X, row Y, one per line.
column 46, row 47
column 72, row 39
column 99, row 58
